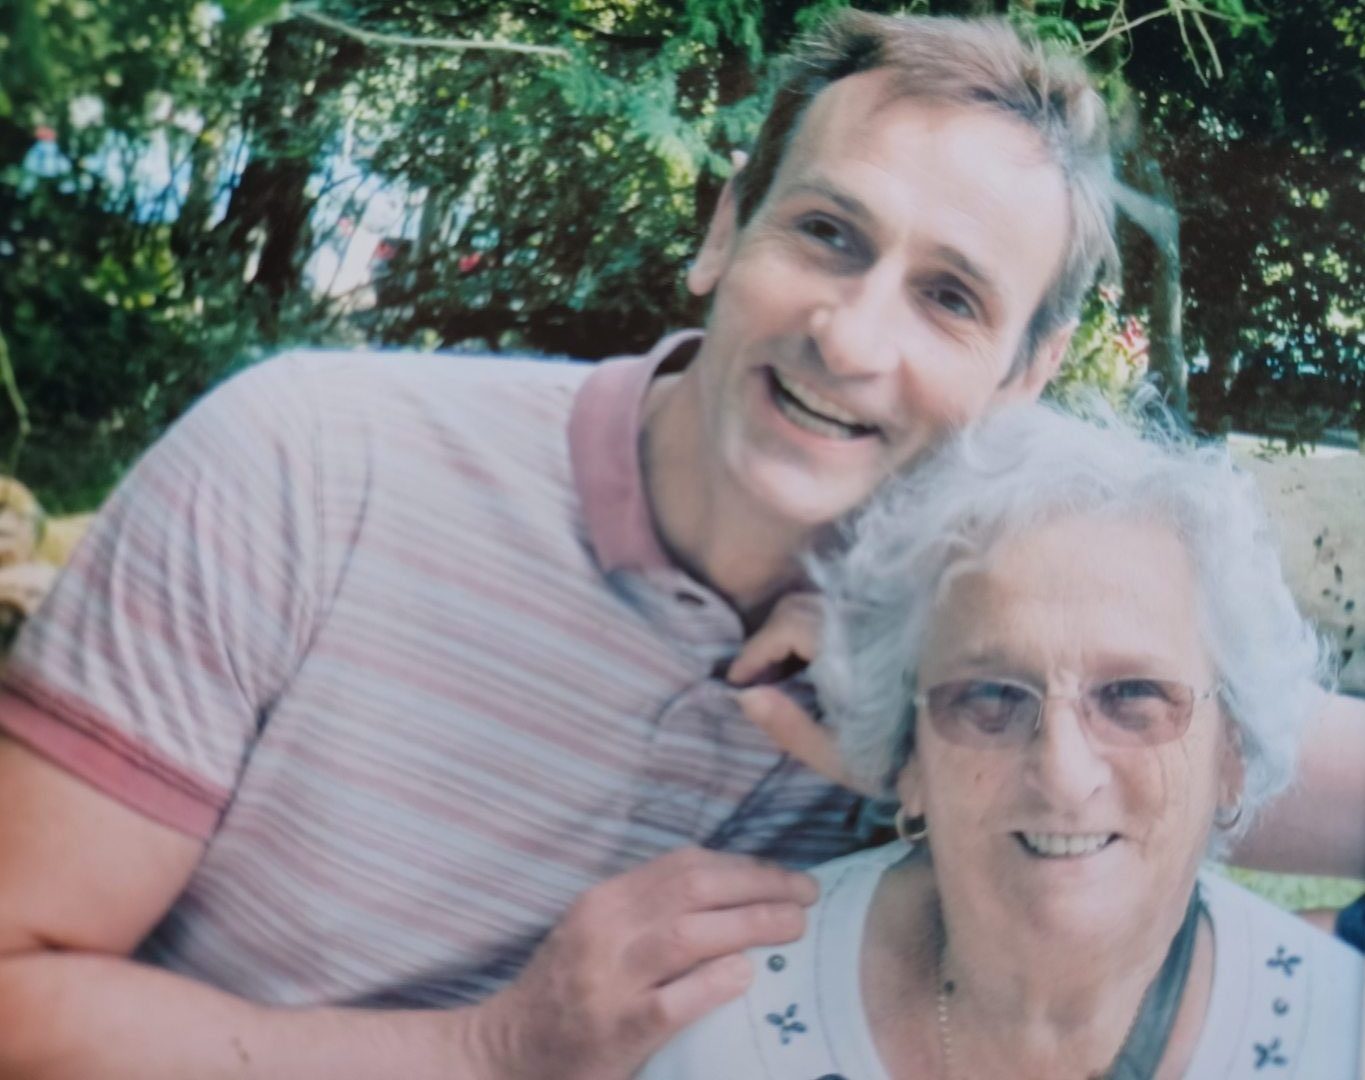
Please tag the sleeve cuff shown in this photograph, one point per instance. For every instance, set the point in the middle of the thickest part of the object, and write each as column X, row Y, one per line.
column 90, row 748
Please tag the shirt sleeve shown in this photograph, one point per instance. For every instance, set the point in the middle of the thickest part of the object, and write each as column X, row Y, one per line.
column 183, row 613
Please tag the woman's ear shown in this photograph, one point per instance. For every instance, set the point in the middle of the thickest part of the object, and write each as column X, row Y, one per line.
column 910, row 787
column 1231, row 771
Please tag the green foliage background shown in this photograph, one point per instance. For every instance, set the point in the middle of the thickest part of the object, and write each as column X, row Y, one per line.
column 559, row 196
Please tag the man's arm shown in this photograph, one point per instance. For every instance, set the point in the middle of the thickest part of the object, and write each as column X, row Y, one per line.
column 83, row 879
column 1318, row 825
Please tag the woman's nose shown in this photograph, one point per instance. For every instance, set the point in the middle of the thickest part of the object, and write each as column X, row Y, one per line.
column 1064, row 764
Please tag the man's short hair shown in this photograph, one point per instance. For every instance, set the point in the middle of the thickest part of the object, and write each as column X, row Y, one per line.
column 971, row 62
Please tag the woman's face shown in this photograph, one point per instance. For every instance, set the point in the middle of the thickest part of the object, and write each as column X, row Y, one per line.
column 1062, row 833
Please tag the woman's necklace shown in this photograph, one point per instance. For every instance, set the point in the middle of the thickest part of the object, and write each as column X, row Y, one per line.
column 946, row 989
column 945, row 1031
column 1140, row 1052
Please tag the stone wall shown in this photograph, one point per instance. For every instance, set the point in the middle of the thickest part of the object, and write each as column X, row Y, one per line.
column 1317, row 506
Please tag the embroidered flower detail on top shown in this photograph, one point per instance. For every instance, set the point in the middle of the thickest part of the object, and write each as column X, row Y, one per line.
column 1269, row 1055
column 787, row 1024
column 1282, row 959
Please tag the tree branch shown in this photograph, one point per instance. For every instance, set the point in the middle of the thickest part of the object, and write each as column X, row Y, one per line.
column 630, row 41
column 1158, row 219
column 1178, row 8
column 16, row 399
column 406, row 41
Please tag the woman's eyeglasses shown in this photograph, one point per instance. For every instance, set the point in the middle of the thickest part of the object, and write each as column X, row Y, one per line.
column 1137, row 711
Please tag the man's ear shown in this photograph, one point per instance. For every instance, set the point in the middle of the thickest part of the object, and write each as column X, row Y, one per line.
column 714, row 254
column 1047, row 358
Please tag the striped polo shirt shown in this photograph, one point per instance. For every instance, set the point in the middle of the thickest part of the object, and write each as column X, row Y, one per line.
column 394, row 635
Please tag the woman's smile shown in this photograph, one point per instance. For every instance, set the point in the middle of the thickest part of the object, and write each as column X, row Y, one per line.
column 1056, row 845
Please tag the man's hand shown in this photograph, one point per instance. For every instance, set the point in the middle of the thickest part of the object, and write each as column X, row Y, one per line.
column 82, row 879
column 790, row 637
column 636, row 960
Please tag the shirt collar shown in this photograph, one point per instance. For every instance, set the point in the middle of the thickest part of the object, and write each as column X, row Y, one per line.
column 604, row 449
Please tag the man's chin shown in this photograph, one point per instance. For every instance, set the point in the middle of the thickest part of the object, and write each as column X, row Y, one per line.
column 807, row 503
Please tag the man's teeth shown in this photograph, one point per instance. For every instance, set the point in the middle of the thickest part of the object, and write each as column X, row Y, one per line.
column 1060, row 845
column 804, row 407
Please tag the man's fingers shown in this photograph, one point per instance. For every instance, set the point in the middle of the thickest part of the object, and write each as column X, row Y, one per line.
column 640, row 957
column 677, row 947
column 792, row 630
column 685, row 1000
column 768, row 649
column 695, row 879
column 795, row 731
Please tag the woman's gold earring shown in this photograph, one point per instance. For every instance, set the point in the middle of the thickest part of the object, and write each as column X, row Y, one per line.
column 1226, row 823
column 911, row 830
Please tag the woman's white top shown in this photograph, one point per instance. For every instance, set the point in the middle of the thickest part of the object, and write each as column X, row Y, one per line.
column 1286, row 1000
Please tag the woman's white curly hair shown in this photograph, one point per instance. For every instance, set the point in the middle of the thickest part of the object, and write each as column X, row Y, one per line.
column 1030, row 464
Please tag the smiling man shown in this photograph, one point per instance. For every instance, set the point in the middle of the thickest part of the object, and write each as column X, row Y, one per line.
column 375, row 728
column 888, row 287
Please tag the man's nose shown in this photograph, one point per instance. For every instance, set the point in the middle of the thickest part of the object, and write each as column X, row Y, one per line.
column 861, row 329
column 1064, row 764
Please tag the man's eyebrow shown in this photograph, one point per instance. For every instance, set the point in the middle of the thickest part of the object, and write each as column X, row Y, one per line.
column 966, row 267
column 856, row 208
column 849, row 204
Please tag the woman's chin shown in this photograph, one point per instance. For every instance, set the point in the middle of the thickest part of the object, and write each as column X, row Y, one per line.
column 1082, row 894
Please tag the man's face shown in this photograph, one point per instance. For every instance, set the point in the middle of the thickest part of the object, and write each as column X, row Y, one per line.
column 877, row 298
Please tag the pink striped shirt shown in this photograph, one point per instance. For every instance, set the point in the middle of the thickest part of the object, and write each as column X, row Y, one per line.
column 394, row 636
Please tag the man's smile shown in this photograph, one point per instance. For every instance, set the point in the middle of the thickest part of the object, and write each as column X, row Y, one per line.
column 810, row 411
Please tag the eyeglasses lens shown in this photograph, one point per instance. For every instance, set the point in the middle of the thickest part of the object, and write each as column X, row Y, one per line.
column 980, row 712
column 1120, row 712
column 1140, row 711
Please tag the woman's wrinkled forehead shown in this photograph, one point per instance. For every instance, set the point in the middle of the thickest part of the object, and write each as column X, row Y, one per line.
column 1075, row 591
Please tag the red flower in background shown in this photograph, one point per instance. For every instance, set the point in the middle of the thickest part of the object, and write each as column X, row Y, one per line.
column 1133, row 342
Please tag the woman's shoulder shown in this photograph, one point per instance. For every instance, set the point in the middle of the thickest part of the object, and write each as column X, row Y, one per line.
column 801, row 1017
column 867, row 866
column 1286, row 997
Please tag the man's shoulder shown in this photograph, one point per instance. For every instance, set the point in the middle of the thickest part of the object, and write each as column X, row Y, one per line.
column 866, row 863
column 359, row 401
column 364, row 369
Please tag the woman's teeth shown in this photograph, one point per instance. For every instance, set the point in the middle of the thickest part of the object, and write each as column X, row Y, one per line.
column 1065, row 845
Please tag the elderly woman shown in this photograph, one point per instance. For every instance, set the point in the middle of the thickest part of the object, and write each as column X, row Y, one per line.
column 1069, row 655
